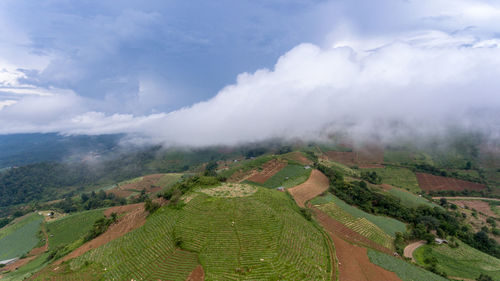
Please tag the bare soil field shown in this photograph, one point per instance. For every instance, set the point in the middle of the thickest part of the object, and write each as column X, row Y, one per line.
column 197, row 274
column 478, row 205
column 135, row 217
column 354, row 264
column 269, row 168
column 314, row 186
column 362, row 159
column 428, row 182
column 148, row 183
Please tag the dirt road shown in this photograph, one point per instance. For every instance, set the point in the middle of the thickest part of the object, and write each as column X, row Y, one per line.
column 408, row 251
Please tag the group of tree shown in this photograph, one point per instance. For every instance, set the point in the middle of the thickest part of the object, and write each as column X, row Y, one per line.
column 423, row 220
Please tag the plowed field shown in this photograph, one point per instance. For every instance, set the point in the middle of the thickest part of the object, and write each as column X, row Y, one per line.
column 428, row 182
column 314, row 186
column 268, row 170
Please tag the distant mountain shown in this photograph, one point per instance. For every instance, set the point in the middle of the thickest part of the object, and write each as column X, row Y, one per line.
column 23, row 149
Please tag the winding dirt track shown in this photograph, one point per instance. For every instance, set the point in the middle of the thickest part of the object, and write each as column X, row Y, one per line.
column 354, row 264
column 408, row 251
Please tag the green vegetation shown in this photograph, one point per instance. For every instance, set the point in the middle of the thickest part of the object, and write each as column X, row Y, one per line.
column 69, row 229
column 258, row 237
column 403, row 270
column 341, row 168
column 289, row 176
column 409, row 199
column 359, row 224
column 26, row 271
column 20, row 237
column 246, row 165
column 400, row 177
column 463, row 261
column 327, row 197
column 169, row 180
column 389, row 225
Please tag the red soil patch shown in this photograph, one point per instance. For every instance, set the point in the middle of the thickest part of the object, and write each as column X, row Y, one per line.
column 17, row 264
column 354, row 264
column 478, row 205
column 428, row 182
column 314, row 186
column 148, row 183
column 197, row 274
column 363, row 158
column 269, row 168
column 135, row 217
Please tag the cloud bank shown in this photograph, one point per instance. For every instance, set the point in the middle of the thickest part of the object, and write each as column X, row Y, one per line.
column 421, row 69
column 420, row 84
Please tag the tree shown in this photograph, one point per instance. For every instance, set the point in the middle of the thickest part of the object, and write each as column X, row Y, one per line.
column 484, row 277
column 443, row 202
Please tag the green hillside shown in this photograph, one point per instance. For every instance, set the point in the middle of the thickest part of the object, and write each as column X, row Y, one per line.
column 260, row 236
column 410, row 199
column 396, row 176
column 464, row 261
column 20, row 237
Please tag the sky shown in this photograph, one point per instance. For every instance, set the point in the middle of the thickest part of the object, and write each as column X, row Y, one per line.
column 228, row 72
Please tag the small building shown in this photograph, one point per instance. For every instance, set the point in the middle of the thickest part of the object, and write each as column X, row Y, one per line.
column 307, row 167
column 440, row 241
column 281, row 188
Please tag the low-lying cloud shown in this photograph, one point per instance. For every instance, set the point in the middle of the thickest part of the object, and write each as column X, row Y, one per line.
column 415, row 85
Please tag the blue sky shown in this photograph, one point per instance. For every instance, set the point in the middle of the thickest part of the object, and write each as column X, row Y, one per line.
column 93, row 67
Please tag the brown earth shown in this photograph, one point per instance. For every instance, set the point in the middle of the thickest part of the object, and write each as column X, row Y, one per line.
column 428, row 182
column 408, row 251
column 135, row 217
column 364, row 158
column 316, row 184
column 197, row 274
column 240, row 176
column 147, row 183
column 354, row 264
column 478, row 205
column 269, row 168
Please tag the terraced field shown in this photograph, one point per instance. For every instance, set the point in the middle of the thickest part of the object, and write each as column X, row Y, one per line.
column 257, row 237
column 70, row 228
column 359, row 225
column 389, row 225
column 19, row 238
column 289, row 176
column 464, row 261
column 404, row 270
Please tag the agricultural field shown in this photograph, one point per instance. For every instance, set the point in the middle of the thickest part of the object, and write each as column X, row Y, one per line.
column 396, row 176
column 267, row 171
column 341, row 168
column 168, row 180
column 409, row 199
column 428, row 182
column 464, row 261
column 291, row 175
column 389, row 225
column 404, row 270
column 296, row 157
column 68, row 229
column 261, row 236
column 359, row 225
column 19, row 238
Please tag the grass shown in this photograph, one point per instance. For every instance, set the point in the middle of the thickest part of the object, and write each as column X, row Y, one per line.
column 168, row 180
column 27, row 270
column 403, row 270
column 341, row 168
column 289, row 176
column 409, row 199
column 388, row 225
column 323, row 199
column 246, row 165
column 20, row 238
column 259, row 237
column 396, row 176
column 464, row 261
column 69, row 229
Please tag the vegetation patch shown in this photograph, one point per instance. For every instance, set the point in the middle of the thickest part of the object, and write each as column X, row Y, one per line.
column 409, row 199
column 463, row 261
column 19, row 238
column 404, row 270
column 231, row 190
column 290, row 176
column 396, row 176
